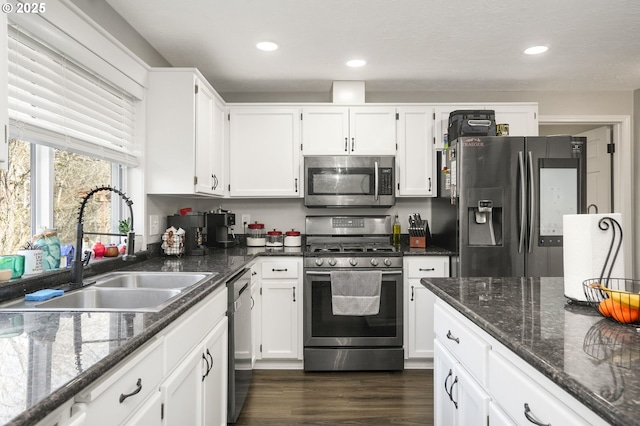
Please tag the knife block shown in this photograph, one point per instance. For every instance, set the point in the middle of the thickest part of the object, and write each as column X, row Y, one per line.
column 417, row 242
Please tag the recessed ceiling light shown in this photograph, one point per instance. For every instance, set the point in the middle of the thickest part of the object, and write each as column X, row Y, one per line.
column 267, row 46
column 355, row 63
column 536, row 50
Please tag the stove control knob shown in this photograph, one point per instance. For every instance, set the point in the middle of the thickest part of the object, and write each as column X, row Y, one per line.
column 353, row 261
column 332, row 262
column 387, row 262
column 319, row 261
column 374, row 262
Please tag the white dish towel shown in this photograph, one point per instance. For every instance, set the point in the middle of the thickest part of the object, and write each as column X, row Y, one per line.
column 355, row 293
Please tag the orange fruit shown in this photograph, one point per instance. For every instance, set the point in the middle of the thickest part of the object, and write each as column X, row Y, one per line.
column 619, row 312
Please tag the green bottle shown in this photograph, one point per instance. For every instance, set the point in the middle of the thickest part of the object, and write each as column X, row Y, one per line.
column 396, row 232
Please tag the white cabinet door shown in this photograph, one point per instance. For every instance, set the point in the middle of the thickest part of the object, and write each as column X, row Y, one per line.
column 4, row 115
column 256, row 313
column 458, row 399
column 182, row 391
column 204, row 139
column 415, row 159
column 281, row 301
column 419, row 329
column 264, row 151
column 497, row 417
column 372, row 130
column 337, row 130
column 215, row 383
column 183, row 134
column 325, row 131
column 522, row 119
column 444, row 411
column 150, row 414
column 420, row 325
column 219, row 159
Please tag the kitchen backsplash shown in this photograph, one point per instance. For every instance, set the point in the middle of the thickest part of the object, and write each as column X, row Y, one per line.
column 281, row 214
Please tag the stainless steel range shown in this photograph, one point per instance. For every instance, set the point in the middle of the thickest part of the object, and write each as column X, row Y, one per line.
column 352, row 295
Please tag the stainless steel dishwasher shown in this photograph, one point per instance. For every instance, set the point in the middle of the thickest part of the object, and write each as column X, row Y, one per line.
column 240, row 369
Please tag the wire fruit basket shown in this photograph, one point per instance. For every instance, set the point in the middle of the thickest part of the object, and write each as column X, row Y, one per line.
column 615, row 298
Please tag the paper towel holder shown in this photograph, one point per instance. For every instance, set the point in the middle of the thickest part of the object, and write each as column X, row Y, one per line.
column 604, row 224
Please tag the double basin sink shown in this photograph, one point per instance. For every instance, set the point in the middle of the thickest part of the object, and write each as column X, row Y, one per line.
column 119, row 291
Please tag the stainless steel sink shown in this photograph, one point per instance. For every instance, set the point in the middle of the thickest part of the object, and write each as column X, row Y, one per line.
column 119, row 291
column 154, row 280
column 110, row 299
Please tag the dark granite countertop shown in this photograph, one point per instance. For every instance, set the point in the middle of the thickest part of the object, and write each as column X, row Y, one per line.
column 70, row 350
column 593, row 358
column 46, row 358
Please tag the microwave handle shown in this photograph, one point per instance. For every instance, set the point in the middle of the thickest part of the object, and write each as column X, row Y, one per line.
column 376, row 181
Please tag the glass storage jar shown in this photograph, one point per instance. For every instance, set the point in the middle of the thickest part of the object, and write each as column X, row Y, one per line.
column 256, row 235
column 292, row 239
column 275, row 239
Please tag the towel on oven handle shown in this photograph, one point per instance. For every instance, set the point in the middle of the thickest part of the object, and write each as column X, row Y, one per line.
column 355, row 293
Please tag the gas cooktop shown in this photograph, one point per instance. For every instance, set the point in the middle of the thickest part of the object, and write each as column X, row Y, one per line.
column 348, row 247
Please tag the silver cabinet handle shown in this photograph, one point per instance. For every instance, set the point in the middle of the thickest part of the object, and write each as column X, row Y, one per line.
column 429, row 185
column 346, row 144
column 426, row 269
column 413, row 293
column 353, row 144
column 296, row 184
column 279, row 270
column 529, row 416
column 138, row 389
column 455, row 403
column 452, row 337
column 294, row 293
column 204, row 376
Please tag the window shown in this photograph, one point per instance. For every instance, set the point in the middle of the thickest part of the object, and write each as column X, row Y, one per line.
column 72, row 131
column 31, row 198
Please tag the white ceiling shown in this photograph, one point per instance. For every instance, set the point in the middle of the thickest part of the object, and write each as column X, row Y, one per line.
column 409, row 45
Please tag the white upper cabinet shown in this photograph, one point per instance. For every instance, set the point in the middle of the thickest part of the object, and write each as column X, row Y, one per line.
column 415, row 159
column 264, row 152
column 522, row 118
column 185, row 134
column 333, row 130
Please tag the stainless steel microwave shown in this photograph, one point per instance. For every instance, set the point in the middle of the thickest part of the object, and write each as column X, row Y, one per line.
column 349, row 181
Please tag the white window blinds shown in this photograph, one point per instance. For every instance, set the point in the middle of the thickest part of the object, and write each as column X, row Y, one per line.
column 54, row 102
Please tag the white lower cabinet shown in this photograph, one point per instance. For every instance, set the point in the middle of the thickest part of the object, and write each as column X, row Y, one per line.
column 195, row 393
column 418, row 317
column 458, row 398
column 479, row 381
column 281, row 308
column 123, row 392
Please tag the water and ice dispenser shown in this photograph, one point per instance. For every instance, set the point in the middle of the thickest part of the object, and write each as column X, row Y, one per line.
column 485, row 217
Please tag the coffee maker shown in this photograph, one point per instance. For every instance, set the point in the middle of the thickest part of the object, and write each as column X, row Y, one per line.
column 219, row 229
column 193, row 224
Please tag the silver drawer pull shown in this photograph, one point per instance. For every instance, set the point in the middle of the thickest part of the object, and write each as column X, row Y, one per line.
column 426, row 269
column 451, row 337
column 529, row 416
column 138, row 389
column 278, row 270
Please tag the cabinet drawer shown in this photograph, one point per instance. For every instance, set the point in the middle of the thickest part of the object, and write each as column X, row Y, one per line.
column 280, row 269
column 108, row 399
column 471, row 350
column 192, row 329
column 513, row 390
column 431, row 267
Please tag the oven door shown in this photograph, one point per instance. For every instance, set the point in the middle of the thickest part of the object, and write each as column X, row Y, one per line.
column 324, row 329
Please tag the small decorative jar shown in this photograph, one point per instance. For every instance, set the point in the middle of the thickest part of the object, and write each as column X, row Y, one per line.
column 99, row 249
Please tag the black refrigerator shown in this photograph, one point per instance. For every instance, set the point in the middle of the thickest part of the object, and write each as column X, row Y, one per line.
column 501, row 200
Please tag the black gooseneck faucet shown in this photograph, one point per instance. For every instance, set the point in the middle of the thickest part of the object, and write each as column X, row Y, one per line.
column 77, row 267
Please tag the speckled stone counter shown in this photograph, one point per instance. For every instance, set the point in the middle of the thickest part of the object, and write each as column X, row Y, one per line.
column 591, row 357
column 46, row 358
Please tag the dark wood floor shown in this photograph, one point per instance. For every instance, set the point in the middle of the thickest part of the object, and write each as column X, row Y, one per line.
column 284, row 397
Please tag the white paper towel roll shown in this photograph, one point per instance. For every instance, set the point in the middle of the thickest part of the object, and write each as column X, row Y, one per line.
column 585, row 249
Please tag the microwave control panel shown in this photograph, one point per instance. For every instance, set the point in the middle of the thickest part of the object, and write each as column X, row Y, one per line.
column 386, row 181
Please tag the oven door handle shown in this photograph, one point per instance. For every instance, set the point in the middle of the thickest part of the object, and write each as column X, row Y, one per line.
column 329, row 273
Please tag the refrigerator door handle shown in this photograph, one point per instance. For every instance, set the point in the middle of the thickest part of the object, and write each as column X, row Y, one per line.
column 532, row 198
column 522, row 199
